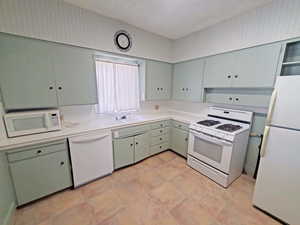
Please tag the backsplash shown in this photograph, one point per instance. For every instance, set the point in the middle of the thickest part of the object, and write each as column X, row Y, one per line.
column 78, row 113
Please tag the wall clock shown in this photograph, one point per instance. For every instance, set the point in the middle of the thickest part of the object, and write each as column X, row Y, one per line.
column 123, row 40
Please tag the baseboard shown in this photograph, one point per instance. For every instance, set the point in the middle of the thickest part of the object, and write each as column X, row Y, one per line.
column 10, row 216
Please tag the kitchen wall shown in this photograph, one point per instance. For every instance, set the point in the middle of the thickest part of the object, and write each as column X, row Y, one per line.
column 2, row 128
column 278, row 20
column 7, row 197
column 55, row 20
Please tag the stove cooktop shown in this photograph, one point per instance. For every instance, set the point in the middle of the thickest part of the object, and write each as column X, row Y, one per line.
column 208, row 123
column 229, row 127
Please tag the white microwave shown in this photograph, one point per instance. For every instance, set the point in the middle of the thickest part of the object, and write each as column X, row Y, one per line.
column 32, row 122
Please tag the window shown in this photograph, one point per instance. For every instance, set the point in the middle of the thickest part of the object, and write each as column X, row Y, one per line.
column 118, row 87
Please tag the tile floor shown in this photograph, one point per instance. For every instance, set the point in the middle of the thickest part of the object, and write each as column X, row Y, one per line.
column 161, row 190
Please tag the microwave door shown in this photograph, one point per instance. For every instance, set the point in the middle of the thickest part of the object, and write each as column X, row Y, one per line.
column 26, row 124
column 213, row 151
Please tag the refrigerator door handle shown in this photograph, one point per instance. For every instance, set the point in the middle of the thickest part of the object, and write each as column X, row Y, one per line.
column 271, row 107
column 265, row 140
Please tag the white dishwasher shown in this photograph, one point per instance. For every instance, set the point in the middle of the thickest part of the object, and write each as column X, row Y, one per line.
column 91, row 156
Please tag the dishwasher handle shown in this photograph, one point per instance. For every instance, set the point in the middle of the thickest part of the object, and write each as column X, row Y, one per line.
column 88, row 139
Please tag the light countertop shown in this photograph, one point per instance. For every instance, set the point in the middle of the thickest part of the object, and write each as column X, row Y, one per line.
column 95, row 125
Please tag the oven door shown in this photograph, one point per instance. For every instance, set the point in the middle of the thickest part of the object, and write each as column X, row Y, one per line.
column 210, row 150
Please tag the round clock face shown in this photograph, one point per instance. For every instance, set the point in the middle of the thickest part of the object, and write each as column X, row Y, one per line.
column 122, row 40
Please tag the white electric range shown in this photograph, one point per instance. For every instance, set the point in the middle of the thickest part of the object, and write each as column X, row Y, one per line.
column 218, row 144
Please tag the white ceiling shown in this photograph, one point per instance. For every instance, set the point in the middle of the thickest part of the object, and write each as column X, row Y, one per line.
column 170, row 18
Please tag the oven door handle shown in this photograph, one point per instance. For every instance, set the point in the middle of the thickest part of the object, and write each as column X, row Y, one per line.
column 209, row 138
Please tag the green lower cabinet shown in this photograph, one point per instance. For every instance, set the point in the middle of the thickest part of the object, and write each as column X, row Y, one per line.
column 159, row 148
column 141, row 148
column 130, row 150
column 7, row 195
column 179, row 141
column 40, row 176
column 123, row 152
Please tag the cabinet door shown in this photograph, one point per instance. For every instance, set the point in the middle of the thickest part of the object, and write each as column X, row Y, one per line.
column 26, row 79
column 142, row 145
column 179, row 141
column 179, row 82
column 75, row 75
column 256, row 67
column 220, row 98
column 40, row 176
column 219, row 70
column 251, row 100
column 158, row 80
column 123, row 152
column 187, row 80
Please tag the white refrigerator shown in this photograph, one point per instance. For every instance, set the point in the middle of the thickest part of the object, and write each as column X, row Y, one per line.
column 277, row 189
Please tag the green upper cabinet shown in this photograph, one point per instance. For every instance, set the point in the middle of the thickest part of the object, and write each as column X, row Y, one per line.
column 40, row 74
column 158, row 80
column 219, row 70
column 247, row 68
column 26, row 75
column 256, row 67
column 187, row 80
column 75, row 75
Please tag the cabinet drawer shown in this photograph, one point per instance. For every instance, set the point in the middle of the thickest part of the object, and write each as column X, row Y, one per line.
column 161, row 124
column 180, row 125
column 158, row 132
column 36, row 150
column 257, row 100
column 40, row 176
column 159, row 139
column 159, row 148
column 130, row 131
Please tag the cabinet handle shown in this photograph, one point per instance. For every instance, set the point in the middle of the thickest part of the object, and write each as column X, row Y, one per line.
column 158, row 89
column 39, row 152
column 160, row 139
column 136, row 143
column 228, row 76
column 182, row 89
column 230, row 98
column 186, row 139
column 59, row 88
column 160, row 146
column 236, row 76
column 62, row 163
column 160, row 131
column 237, row 99
column 179, row 126
column 51, row 88
column 131, row 144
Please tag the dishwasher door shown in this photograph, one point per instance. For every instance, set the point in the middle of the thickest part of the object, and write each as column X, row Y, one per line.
column 91, row 157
